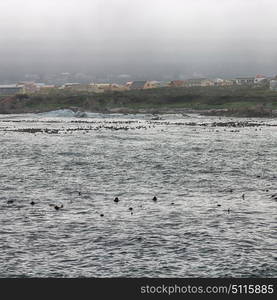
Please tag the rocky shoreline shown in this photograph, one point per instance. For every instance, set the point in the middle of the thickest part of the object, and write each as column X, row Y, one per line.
column 205, row 112
column 16, row 105
column 161, row 111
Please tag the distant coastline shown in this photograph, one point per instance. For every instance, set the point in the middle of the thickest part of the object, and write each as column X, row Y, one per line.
column 227, row 101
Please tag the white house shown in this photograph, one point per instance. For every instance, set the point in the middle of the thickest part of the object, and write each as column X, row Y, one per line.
column 259, row 78
column 245, row 80
column 11, row 89
column 273, row 85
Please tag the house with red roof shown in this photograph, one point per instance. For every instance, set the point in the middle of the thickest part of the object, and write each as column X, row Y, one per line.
column 259, row 79
column 177, row 83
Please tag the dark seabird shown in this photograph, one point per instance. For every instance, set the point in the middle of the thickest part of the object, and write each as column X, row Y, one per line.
column 130, row 208
column 218, row 205
column 116, row 200
column 32, row 203
column 10, row 201
column 155, row 198
column 79, row 193
column 58, row 207
column 243, row 196
column 228, row 210
column 101, row 215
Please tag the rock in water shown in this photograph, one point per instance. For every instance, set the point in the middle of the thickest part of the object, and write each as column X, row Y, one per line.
column 80, row 114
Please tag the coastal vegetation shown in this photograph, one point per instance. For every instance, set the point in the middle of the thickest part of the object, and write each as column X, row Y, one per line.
column 233, row 100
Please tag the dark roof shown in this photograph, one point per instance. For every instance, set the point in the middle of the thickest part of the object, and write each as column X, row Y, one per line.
column 177, row 81
column 9, row 86
column 138, row 84
column 245, row 78
column 195, row 79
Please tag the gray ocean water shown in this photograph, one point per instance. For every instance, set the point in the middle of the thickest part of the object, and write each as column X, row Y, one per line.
column 200, row 226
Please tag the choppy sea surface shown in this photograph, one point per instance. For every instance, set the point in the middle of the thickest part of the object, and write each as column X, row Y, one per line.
column 214, row 179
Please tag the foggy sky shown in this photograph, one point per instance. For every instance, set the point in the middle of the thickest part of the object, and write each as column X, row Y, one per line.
column 177, row 38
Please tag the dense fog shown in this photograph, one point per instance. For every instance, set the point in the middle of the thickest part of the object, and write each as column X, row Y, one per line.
column 151, row 39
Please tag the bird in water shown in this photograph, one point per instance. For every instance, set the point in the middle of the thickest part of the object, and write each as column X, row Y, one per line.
column 130, row 208
column 116, row 200
column 58, row 207
column 101, row 215
column 79, row 193
column 10, row 201
column 155, row 199
column 32, row 203
column 243, row 196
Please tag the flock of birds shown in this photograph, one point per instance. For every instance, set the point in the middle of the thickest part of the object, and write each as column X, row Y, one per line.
column 125, row 125
column 57, row 207
column 116, row 200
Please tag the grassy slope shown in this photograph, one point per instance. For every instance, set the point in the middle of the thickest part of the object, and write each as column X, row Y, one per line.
column 162, row 98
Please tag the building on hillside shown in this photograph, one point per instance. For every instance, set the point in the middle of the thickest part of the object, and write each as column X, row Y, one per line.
column 198, row 82
column 29, row 86
column 245, row 80
column 194, row 82
column 273, row 85
column 92, row 87
column 146, row 84
column 46, row 88
column 76, row 87
column 151, row 84
column 228, row 82
column 106, row 87
column 11, row 89
column 102, row 87
column 177, row 83
column 137, row 85
column 128, row 84
column 114, row 87
column 163, row 84
column 218, row 82
column 142, row 84
column 260, row 79
column 71, row 85
column 207, row 82
column 40, row 84
column 222, row 82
